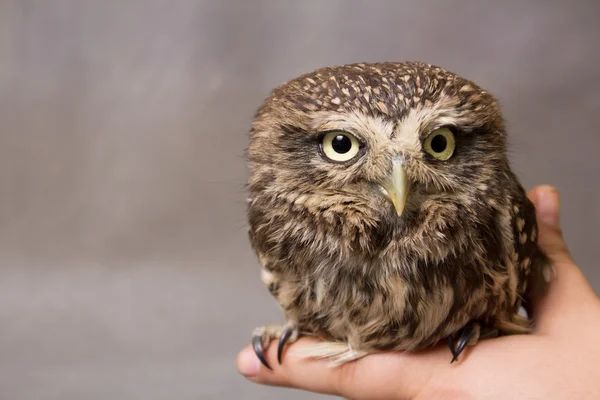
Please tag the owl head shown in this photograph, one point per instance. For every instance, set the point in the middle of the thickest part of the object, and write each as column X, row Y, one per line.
column 360, row 158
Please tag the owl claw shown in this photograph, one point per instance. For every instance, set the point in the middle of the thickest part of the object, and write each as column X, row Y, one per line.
column 462, row 343
column 261, row 338
column 469, row 334
column 287, row 332
column 451, row 345
column 258, row 350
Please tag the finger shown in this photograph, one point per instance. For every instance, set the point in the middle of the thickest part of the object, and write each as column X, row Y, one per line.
column 547, row 204
column 377, row 376
column 568, row 290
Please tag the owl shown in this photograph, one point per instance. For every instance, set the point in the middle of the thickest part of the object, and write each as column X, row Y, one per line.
column 384, row 213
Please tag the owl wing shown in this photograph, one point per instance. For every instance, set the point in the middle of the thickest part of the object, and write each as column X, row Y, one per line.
column 529, row 259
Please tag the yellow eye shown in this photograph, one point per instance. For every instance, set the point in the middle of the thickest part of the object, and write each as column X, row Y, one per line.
column 440, row 144
column 340, row 146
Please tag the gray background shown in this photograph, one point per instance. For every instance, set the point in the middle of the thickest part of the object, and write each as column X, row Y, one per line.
column 125, row 267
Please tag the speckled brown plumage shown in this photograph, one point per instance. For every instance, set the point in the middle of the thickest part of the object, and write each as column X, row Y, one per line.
column 337, row 258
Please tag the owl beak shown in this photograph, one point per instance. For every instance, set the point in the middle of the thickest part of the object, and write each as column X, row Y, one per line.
column 396, row 187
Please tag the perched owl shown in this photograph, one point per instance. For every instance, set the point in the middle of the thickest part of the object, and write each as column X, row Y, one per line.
column 385, row 215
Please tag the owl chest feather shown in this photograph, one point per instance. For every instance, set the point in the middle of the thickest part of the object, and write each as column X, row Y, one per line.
column 386, row 307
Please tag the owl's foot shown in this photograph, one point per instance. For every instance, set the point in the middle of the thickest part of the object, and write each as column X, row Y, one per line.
column 261, row 338
column 470, row 335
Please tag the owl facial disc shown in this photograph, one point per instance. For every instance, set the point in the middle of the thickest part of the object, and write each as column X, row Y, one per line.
column 396, row 186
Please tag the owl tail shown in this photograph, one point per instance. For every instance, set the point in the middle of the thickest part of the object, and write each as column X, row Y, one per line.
column 336, row 353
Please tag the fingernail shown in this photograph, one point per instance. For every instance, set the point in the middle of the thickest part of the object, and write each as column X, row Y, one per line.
column 248, row 364
column 547, row 205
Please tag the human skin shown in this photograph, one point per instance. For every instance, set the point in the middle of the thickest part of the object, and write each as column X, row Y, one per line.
column 559, row 360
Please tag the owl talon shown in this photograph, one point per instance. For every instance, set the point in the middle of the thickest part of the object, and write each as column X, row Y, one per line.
column 261, row 338
column 451, row 346
column 288, row 331
column 470, row 334
column 258, row 350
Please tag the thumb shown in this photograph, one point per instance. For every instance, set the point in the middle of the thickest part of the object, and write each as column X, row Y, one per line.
column 568, row 290
column 547, row 203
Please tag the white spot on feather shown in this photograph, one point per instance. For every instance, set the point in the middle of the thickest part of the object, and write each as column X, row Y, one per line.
column 267, row 277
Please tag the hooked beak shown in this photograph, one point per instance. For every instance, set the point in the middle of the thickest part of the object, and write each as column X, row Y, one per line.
column 396, row 186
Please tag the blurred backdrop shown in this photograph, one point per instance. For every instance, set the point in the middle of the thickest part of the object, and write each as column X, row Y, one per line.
column 125, row 270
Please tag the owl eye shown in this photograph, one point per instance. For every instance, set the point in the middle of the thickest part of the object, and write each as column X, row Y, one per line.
column 339, row 146
column 440, row 144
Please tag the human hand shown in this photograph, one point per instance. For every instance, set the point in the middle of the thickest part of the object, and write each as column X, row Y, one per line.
column 558, row 361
